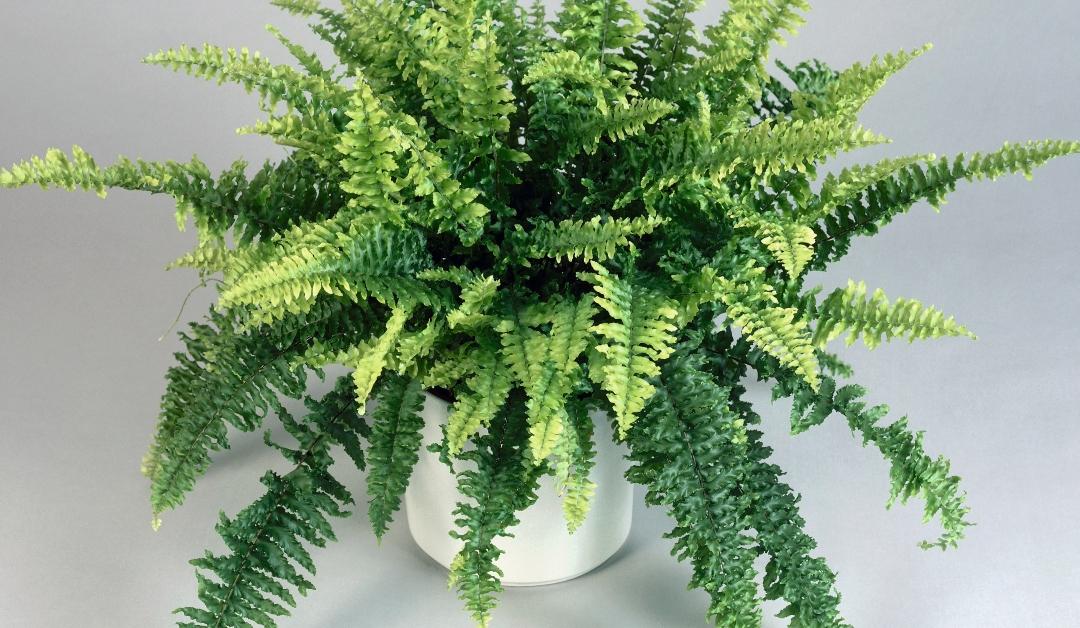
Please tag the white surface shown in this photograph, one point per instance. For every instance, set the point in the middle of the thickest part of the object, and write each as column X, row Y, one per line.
column 541, row 550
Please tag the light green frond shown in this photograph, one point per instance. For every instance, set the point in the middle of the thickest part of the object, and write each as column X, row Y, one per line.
column 774, row 147
column 314, row 133
column 874, row 319
column 595, row 239
column 595, row 29
column 414, row 346
column 638, row 338
column 790, row 243
column 484, row 395
column 752, row 306
column 623, row 120
column 377, row 262
column 574, row 456
column 451, row 368
column 208, row 257
column 369, row 363
column 370, row 147
column 856, row 85
column 460, row 75
column 476, row 299
column 274, row 83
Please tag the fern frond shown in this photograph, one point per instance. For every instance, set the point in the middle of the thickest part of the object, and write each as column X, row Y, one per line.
column 752, row 306
column 486, row 393
column 273, row 83
column 913, row 472
column 396, row 427
column 575, row 457
column 362, row 263
column 369, row 362
column 874, row 318
column 594, row 239
column 501, row 484
column 639, row 337
column 266, row 541
column 476, row 298
column 790, row 243
column 853, row 87
column 896, row 194
column 670, row 39
column 546, row 366
column 245, row 371
column 689, row 450
column 774, row 147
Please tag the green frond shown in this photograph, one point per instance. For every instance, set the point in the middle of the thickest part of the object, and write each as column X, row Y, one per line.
column 731, row 65
column 837, row 190
column 485, row 393
column 273, row 83
column 460, row 75
column 594, row 239
column 848, row 310
column 500, row 484
column 451, row 369
column 307, row 59
column 689, row 450
column 396, row 427
column 246, row 372
column 414, row 346
column 621, row 121
column 546, row 366
column 913, row 472
column 806, row 582
column 268, row 541
column 914, row 182
column 790, row 243
column 773, row 147
column 358, row 264
column 595, row 29
column 371, row 360
column 670, row 39
column 637, row 339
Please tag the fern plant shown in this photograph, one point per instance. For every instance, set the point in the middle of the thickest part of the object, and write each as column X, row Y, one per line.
column 597, row 211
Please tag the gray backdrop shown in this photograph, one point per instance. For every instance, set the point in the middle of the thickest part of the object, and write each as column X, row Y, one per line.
column 84, row 300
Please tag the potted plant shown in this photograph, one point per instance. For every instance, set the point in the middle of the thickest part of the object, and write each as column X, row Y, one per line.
column 519, row 234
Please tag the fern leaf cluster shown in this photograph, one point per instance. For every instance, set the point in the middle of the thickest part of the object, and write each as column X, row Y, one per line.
column 547, row 219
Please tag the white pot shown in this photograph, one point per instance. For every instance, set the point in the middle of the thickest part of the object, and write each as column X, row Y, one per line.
column 541, row 550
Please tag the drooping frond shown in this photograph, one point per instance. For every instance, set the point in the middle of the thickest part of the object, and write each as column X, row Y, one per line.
column 546, row 366
column 245, row 372
column 574, row 455
column 689, row 450
column 477, row 405
column 848, row 310
column 502, row 483
column 913, row 472
column 253, row 582
column 396, row 427
column 595, row 239
column 636, row 340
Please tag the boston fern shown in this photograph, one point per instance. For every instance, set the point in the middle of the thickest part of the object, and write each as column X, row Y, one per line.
column 602, row 211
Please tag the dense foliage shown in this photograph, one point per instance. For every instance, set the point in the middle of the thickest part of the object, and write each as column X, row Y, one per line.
column 602, row 210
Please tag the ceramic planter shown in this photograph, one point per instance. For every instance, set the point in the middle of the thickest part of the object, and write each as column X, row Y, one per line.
column 541, row 550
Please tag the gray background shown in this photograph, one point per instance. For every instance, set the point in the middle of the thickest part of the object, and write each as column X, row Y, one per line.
column 84, row 300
